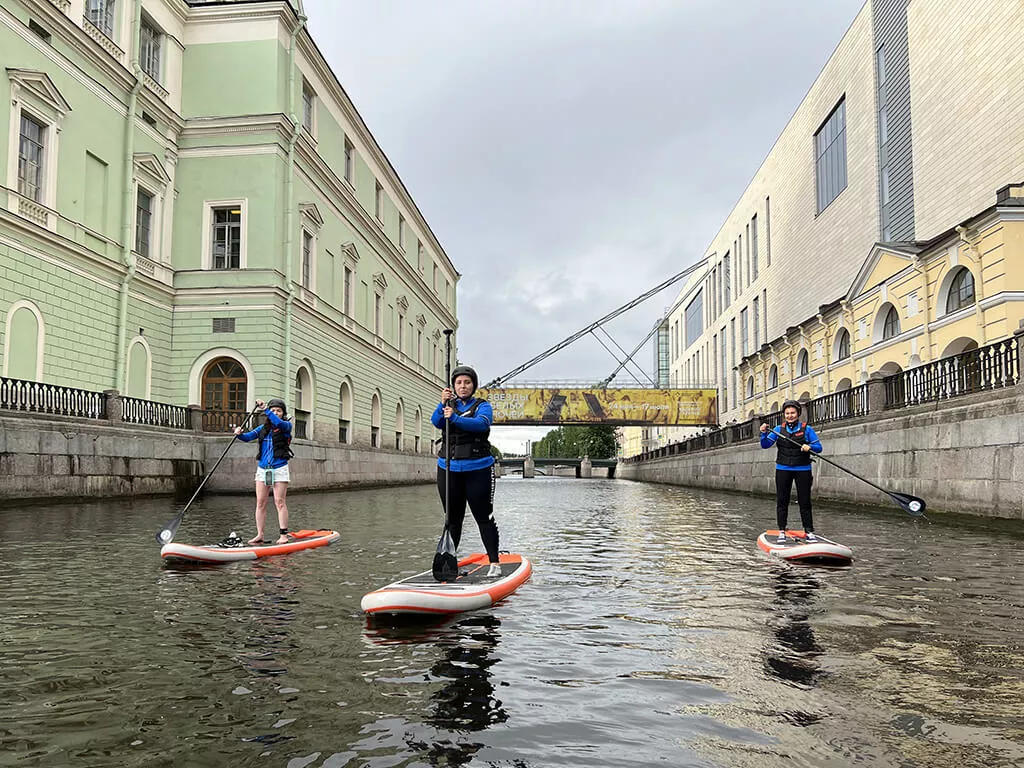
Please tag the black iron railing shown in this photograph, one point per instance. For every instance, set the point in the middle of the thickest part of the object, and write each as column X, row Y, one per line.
column 225, row 421
column 37, row 397
column 136, row 411
column 993, row 366
column 845, row 404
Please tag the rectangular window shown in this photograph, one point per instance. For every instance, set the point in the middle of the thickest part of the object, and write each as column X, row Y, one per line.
column 227, row 238
column 694, row 318
column 419, row 256
column 756, row 324
column 447, row 293
column 744, row 332
column 378, row 201
column 749, row 271
column 350, row 159
column 378, row 306
column 308, row 100
column 830, row 156
column 401, row 231
column 753, row 248
column 346, row 299
column 31, row 148
column 767, row 231
column 401, row 333
column 143, row 221
column 436, row 273
column 419, row 347
column 307, row 260
column 150, row 40
column 100, row 14
column 726, row 282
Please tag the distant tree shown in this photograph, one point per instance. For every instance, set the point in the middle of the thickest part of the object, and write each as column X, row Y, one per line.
column 597, row 442
column 495, row 452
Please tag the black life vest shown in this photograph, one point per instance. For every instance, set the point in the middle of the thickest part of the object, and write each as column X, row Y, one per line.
column 790, row 454
column 282, row 441
column 466, row 445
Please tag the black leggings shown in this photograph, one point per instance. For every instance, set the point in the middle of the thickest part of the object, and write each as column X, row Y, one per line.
column 783, row 486
column 476, row 487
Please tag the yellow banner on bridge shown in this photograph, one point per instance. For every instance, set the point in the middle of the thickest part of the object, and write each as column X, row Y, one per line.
column 621, row 407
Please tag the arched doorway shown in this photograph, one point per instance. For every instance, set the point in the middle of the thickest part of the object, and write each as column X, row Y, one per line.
column 225, row 395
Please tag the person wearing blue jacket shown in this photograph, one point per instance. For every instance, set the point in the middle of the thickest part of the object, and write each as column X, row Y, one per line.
column 470, row 465
column 795, row 440
column 273, row 451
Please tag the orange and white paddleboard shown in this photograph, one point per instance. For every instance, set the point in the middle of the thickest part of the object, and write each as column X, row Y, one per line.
column 218, row 553
column 471, row 589
column 797, row 549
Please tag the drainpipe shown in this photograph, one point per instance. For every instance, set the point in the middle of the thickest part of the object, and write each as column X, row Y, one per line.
column 289, row 203
column 969, row 239
column 127, row 257
column 827, row 349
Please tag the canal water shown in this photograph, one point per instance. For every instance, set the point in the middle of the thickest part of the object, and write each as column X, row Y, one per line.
column 652, row 633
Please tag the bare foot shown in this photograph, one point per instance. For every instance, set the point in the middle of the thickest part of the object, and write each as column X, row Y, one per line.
column 284, row 539
column 257, row 540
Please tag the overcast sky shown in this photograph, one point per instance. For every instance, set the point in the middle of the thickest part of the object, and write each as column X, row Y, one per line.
column 569, row 155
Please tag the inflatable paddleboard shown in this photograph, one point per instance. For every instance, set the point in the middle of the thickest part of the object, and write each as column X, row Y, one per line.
column 472, row 589
column 797, row 549
column 221, row 553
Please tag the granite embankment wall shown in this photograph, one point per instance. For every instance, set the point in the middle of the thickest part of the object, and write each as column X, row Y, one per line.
column 65, row 458
column 960, row 455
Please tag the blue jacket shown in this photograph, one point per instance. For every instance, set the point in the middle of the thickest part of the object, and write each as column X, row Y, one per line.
column 769, row 438
column 267, row 460
column 481, row 422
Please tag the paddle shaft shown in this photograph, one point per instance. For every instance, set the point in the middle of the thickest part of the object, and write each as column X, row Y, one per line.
column 173, row 525
column 902, row 499
column 447, row 434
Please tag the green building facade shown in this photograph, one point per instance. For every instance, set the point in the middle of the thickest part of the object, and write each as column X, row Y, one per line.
column 193, row 211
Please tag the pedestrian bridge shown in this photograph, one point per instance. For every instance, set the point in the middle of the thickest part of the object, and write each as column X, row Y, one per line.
column 530, row 465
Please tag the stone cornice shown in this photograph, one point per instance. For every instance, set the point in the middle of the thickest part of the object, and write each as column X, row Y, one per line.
column 202, row 127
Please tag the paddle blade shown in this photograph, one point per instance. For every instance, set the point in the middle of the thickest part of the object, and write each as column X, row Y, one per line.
column 166, row 534
column 912, row 504
column 446, row 566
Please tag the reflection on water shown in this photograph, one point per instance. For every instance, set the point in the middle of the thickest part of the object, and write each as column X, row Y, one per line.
column 792, row 652
column 652, row 631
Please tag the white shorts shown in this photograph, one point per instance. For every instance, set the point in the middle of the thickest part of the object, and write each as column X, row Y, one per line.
column 279, row 475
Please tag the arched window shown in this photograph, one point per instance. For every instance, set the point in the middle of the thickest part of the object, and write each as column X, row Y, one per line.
column 23, row 342
column 750, row 387
column 399, row 425
column 773, row 377
column 345, row 413
column 419, row 429
column 303, row 401
column 891, row 326
column 225, row 389
column 961, row 291
column 375, row 421
column 801, row 363
column 842, row 345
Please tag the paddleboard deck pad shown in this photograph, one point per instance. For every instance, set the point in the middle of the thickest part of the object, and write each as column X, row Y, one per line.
column 798, row 550
column 219, row 553
column 472, row 589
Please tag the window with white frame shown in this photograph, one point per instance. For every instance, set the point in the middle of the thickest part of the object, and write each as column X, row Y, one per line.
column 346, row 298
column 378, row 201
column 143, row 222
column 226, row 237
column 308, row 108
column 307, row 260
column 401, row 231
column 31, row 153
column 961, row 291
column 419, row 347
column 891, row 326
column 419, row 256
column 401, row 333
column 100, row 13
column 150, row 43
column 437, row 273
column 378, row 316
column 350, row 159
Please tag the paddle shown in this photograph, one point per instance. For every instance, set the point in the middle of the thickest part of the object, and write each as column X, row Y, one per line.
column 166, row 534
column 446, row 566
column 912, row 504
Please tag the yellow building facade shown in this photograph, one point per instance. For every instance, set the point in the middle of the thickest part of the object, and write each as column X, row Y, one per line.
column 910, row 304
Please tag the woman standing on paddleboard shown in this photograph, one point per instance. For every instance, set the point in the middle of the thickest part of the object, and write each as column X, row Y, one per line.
column 275, row 437
column 471, row 473
column 795, row 440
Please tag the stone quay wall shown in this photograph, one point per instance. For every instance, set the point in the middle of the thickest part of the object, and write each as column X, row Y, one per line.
column 67, row 458
column 962, row 455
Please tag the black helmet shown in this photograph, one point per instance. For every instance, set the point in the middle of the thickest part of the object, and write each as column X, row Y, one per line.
column 465, row 370
column 792, row 404
column 276, row 402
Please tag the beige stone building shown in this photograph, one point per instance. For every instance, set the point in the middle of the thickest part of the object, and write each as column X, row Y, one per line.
column 910, row 129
